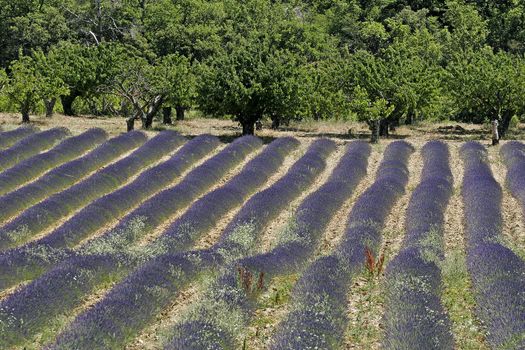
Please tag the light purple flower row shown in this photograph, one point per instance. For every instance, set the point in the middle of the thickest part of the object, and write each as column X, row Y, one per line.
column 31, row 145
column 32, row 259
column 38, row 164
column 53, row 208
column 34, row 301
column 133, row 303
column 9, row 138
column 227, row 296
column 498, row 274
column 414, row 316
column 115, row 204
column 318, row 317
column 68, row 174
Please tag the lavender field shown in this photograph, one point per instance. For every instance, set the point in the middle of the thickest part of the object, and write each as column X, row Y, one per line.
column 165, row 241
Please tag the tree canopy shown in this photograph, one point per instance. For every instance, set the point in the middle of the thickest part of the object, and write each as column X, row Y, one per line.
column 384, row 62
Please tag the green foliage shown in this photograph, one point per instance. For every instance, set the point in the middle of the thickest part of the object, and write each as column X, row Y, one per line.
column 487, row 85
column 393, row 60
column 31, row 80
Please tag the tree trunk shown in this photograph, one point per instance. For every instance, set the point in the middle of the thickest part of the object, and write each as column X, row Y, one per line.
column 248, row 126
column 276, row 123
column 383, row 128
column 495, row 133
column 147, row 121
column 67, row 103
column 130, row 123
column 503, row 126
column 147, row 118
column 25, row 114
column 50, row 106
column 180, row 112
column 410, row 119
column 166, row 115
column 374, row 128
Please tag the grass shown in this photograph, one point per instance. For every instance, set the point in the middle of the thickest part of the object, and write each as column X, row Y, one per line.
column 272, row 307
column 460, row 304
column 365, row 312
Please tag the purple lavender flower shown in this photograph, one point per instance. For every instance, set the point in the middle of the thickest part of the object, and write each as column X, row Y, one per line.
column 68, row 173
column 498, row 275
column 9, row 138
column 50, row 210
column 34, row 166
column 31, row 145
column 159, row 280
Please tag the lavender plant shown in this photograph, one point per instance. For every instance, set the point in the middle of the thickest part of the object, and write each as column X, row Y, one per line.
column 498, row 275
column 414, row 316
column 38, row 164
column 68, row 174
column 318, row 316
column 75, row 264
column 29, row 261
column 228, row 304
column 115, row 204
column 9, row 138
column 132, row 304
column 513, row 153
column 31, row 145
column 55, row 207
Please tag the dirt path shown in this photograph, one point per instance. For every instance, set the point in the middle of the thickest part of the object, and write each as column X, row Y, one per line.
column 155, row 335
column 336, row 228
column 124, row 155
column 112, row 224
column 150, row 237
column 212, row 237
column 270, row 236
column 45, row 172
column 57, row 325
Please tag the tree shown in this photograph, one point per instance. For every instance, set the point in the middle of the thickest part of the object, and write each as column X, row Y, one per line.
column 370, row 111
column 84, row 69
column 188, row 28
column 147, row 86
column 176, row 79
column 29, row 83
column 324, row 96
column 260, row 71
column 407, row 74
column 251, row 82
column 488, row 86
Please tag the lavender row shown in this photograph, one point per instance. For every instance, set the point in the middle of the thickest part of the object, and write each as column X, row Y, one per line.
column 230, row 298
column 9, row 138
column 68, row 174
column 311, row 217
column 40, row 306
column 157, row 210
column 414, row 316
column 318, row 316
column 133, row 303
column 498, row 275
column 204, row 213
column 52, row 209
column 34, row 258
column 36, row 165
column 31, row 145
column 114, row 205
column 513, row 153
